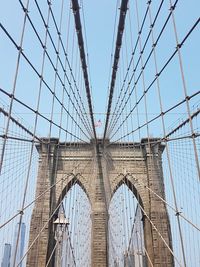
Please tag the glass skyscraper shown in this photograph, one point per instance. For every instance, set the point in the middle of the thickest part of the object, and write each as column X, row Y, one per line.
column 6, row 255
column 20, row 247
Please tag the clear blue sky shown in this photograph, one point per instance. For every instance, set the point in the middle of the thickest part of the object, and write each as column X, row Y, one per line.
column 99, row 20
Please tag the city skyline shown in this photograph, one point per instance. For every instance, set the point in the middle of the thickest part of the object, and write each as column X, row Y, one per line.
column 6, row 255
column 20, row 246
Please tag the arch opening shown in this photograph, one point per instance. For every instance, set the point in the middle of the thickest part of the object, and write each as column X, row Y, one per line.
column 72, row 182
column 125, row 227
column 131, row 186
column 73, row 240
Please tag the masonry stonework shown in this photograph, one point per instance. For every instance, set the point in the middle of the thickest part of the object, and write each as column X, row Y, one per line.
column 100, row 169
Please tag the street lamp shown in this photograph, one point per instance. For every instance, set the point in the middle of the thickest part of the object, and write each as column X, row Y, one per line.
column 60, row 226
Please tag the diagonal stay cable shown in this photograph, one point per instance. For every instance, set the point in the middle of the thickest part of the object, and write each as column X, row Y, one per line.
column 67, row 60
column 43, row 80
column 157, row 75
column 122, row 97
column 129, row 67
column 122, row 105
column 123, row 11
column 75, row 7
column 5, row 113
column 177, row 213
column 156, row 117
column 40, row 114
column 51, row 61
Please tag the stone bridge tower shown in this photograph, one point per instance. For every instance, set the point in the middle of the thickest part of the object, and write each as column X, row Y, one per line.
column 139, row 165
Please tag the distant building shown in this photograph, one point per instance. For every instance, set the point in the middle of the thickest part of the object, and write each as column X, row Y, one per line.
column 144, row 261
column 6, row 255
column 20, row 247
column 132, row 259
column 129, row 260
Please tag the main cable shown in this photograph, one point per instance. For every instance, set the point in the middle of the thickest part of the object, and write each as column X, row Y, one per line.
column 76, row 7
column 123, row 11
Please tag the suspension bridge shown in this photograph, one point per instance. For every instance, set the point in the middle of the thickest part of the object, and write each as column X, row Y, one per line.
column 83, row 185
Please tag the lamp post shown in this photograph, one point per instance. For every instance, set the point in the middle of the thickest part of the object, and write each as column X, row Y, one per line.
column 60, row 225
column 116, row 263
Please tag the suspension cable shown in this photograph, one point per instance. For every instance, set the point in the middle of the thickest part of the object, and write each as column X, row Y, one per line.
column 123, row 11
column 75, row 7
